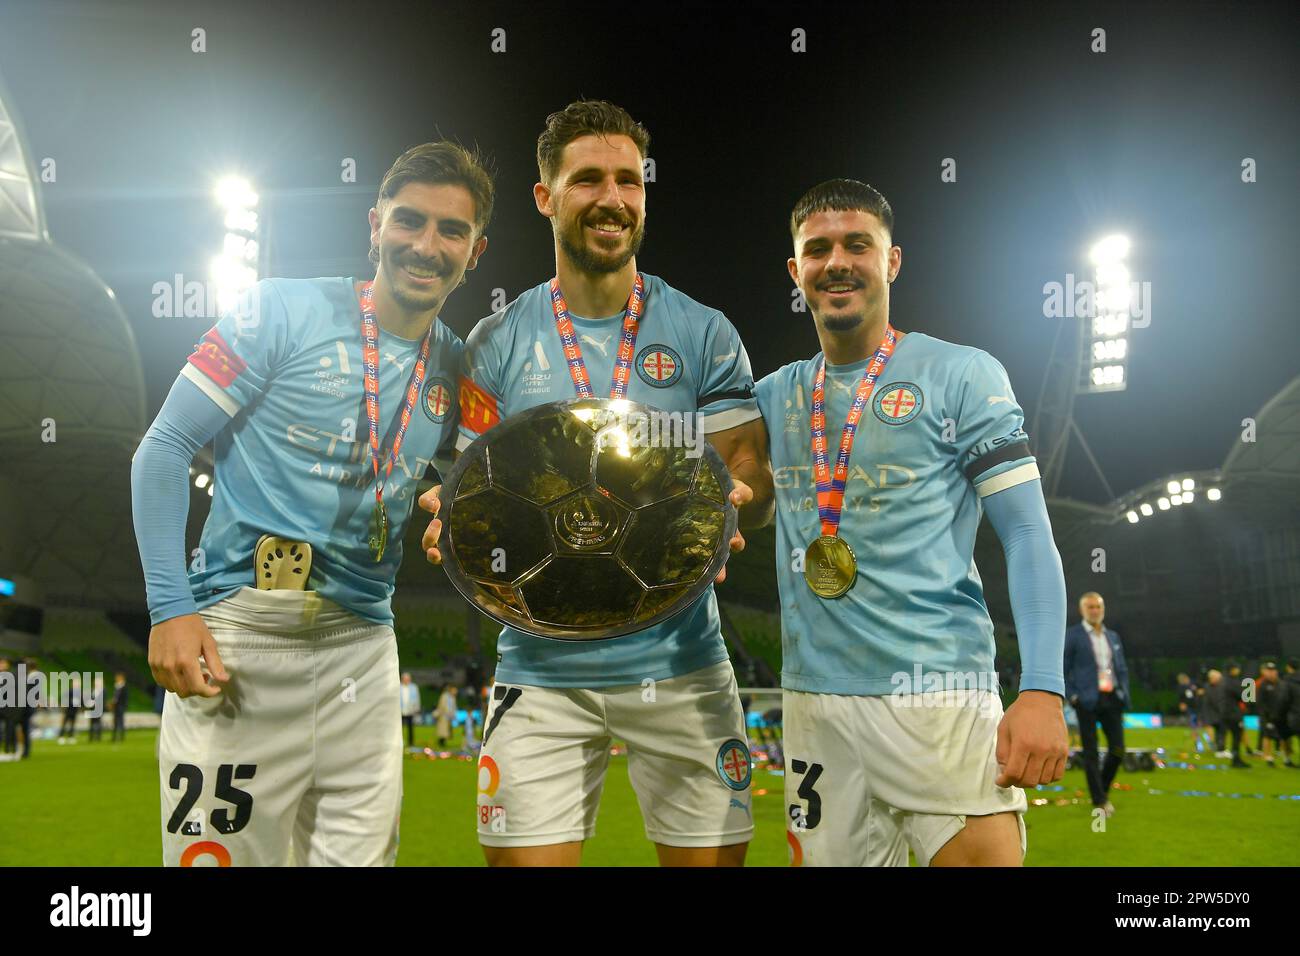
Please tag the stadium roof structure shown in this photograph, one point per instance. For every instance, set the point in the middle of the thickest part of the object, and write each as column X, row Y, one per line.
column 1208, row 578
column 71, row 408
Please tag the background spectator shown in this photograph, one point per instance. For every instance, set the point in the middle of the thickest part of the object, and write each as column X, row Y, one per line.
column 445, row 713
column 410, row 702
column 1096, row 683
column 119, row 706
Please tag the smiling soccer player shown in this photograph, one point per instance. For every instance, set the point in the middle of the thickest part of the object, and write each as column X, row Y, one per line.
column 328, row 398
column 894, row 733
column 604, row 329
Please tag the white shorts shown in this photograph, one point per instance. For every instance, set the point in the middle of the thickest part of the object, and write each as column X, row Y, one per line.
column 299, row 759
column 546, row 749
column 866, row 777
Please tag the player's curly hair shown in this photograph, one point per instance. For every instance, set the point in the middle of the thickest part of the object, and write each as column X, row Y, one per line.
column 842, row 195
column 584, row 118
column 441, row 162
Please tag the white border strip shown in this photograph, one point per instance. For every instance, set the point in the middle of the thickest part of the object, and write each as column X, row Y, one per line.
column 731, row 418
column 210, row 389
column 1008, row 479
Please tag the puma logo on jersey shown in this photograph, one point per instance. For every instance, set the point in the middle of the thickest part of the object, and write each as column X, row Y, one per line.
column 994, row 399
column 401, row 366
column 719, row 359
column 600, row 345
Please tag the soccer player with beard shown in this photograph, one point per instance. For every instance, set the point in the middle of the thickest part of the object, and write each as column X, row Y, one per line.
column 556, row 706
column 328, row 398
column 886, row 448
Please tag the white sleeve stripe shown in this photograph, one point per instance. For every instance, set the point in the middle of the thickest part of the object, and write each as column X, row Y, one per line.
column 463, row 441
column 210, row 389
column 1008, row 479
column 731, row 418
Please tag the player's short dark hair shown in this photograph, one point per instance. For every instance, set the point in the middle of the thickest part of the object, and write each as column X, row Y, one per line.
column 439, row 163
column 585, row 118
column 842, row 195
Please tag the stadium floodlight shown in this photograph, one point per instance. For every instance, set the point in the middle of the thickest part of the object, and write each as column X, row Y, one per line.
column 1162, row 504
column 234, row 192
column 1173, row 487
column 1188, row 484
column 1105, row 368
column 1188, row 497
column 1176, row 499
column 1146, row 510
column 201, row 482
column 1214, row 494
column 1110, row 250
column 211, row 488
column 235, row 269
column 1132, row 517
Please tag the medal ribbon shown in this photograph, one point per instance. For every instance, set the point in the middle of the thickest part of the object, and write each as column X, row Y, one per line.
column 830, row 487
column 573, row 351
column 370, row 357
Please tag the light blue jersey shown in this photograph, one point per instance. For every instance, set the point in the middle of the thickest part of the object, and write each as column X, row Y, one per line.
column 941, row 430
column 688, row 358
column 286, row 366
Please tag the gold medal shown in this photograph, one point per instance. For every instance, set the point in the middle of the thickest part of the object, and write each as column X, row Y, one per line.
column 830, row 567
column 378, row 531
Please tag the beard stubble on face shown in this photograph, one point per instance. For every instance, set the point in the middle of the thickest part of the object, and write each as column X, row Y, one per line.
column 592, row 261
column 408, row 301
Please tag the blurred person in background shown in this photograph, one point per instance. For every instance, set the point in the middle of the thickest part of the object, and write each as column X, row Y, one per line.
column 1188, row 704
column 1212, row 709
column 119, row 706
column 94, row 703
column 1096, row 684
column 9, row 708
column 25, row 710
column 410, row 704
column 68, row 729
column 1230, row 713
column 1290, row 708
column 1272, row 711
column 444, row 714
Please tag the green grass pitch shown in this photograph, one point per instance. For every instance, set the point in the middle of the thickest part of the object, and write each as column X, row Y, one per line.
column 97, row 805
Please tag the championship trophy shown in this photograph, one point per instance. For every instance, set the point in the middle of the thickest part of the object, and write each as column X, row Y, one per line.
column 586, row 519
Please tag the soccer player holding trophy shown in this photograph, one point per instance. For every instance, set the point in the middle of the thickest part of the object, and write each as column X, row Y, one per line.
column 328, row 398
column 603, row 330
column 886, row 448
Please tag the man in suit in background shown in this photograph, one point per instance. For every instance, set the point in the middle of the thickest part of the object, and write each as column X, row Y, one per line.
column 1096, row 684
column 119, row 706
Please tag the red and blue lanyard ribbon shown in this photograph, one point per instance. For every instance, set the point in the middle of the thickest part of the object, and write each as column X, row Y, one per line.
column 830, row 486
column 370, row 359
column 573, row 352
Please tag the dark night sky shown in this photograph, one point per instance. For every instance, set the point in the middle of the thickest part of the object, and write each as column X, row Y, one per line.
column 1055, row 146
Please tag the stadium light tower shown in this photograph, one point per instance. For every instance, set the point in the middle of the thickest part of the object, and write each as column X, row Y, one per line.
column 1090, row 358
column 235, row 268
column 1106, row 369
